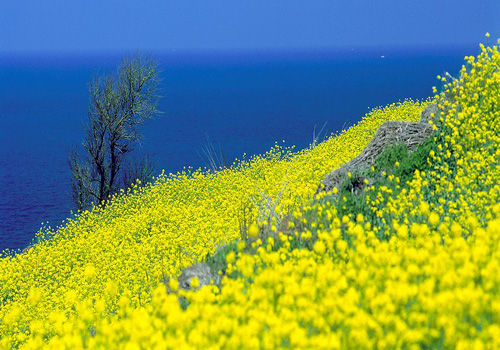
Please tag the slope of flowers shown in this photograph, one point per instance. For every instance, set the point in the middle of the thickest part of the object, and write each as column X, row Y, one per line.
column 433, row 283
column 105, row 264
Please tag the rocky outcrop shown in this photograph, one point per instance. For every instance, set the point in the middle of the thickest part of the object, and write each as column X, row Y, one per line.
column 391, row 132
column 202, row 271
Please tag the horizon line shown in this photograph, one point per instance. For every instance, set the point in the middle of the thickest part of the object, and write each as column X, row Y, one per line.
column 230, row 51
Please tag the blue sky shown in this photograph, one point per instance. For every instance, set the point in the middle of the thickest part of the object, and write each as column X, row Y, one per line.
column 204, row 25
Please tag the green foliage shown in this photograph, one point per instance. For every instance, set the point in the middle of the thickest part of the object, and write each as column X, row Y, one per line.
column 184, row 303
column 393, row 169
column 408, row 161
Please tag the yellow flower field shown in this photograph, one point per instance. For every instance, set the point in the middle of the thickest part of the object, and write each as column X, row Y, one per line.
column 432, row 282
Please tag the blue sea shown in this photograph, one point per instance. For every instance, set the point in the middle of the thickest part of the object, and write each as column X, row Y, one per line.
column 242, row 102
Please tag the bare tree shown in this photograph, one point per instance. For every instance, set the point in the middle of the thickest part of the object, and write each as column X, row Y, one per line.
column 119, row 104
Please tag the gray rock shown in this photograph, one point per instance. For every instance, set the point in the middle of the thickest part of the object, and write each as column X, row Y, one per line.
column 202, row 271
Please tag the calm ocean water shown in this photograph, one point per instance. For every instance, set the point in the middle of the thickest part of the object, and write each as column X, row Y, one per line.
column 242, row 102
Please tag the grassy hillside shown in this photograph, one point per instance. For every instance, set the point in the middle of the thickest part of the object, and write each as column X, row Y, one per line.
column 419, row 269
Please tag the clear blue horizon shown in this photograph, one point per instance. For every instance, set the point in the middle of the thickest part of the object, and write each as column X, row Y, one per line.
column 226, row 57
